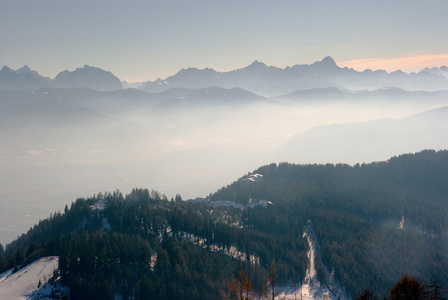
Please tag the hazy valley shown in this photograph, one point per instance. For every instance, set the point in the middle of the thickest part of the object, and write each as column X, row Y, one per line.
column 192, row 137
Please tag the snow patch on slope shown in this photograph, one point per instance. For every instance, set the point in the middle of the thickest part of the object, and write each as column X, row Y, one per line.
column 24, row 284
column 311, row 288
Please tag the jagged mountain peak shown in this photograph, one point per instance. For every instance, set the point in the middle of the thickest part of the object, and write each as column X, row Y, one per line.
column 442, row 71
column 327, row 62
column 88, row 68
column 257, row 64
column 25, row 68
column 6, row 69
column 23, row 79
column 192, row 72
column 85, row 68
column 193, row 69
column 88, row 77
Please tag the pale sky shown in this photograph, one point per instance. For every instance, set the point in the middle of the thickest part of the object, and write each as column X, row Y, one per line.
column 145, row 40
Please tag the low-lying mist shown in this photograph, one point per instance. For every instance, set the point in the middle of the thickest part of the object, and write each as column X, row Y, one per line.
column 56, row 145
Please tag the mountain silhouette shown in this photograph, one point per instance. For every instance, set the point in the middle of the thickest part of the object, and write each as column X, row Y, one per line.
column 88, row 77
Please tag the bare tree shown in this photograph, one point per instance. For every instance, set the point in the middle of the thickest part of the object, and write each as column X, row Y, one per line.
column 436, row 289
column 272, row 279
column 240, row 288
column 295, row 287
column 408, row 288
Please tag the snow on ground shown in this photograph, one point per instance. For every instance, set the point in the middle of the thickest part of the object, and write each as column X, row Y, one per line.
column 24, row 284
column 311, row 288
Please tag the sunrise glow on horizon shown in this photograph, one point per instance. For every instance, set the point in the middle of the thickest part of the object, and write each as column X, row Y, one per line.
column 142, row 41
column 406, row 64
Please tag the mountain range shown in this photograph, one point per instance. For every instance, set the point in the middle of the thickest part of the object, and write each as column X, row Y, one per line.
column 25, row 79
column 269, row 81
column 257, row 78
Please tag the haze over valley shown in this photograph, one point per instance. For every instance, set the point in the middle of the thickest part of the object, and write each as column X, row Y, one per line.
column 198, row 130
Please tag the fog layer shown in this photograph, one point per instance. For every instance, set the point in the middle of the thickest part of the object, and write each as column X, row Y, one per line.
column 59, row 144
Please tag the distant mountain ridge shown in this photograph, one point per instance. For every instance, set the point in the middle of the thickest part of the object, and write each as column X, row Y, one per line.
column 257, row 78
column 271, row 81
column 386, row 94
column 203, row 97
column 385, row 136
column 25, row 79
column 88, row 77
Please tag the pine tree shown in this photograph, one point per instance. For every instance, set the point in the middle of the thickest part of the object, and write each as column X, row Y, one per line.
column 367, row 295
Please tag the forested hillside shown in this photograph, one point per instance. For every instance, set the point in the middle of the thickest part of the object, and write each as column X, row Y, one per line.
column 374, row 223
column 140, row 245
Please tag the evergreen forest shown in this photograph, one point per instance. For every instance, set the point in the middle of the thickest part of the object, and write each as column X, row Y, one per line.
column 374, row 223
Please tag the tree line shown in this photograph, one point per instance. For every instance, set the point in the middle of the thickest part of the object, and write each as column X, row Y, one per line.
column 134, row 246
